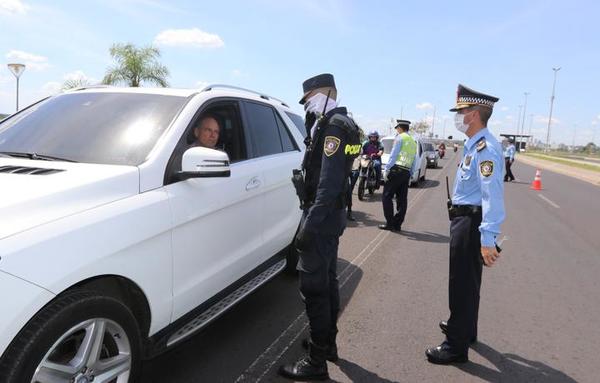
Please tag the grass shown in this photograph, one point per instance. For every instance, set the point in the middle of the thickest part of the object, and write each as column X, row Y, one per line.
column 563, row 161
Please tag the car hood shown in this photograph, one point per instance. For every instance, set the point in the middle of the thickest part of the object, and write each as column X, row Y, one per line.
column 33, row 192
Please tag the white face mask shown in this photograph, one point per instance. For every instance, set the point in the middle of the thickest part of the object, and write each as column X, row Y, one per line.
column 459, row 123
column 318, row 103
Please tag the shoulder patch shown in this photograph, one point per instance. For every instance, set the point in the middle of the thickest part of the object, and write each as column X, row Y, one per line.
column 331, row 145
column 486, row 168
column 481, row 144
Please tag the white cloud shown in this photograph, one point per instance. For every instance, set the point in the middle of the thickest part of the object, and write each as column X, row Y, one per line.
column 424, row 106
column 13, row 6
column 30, row 60
column 51, row 88
column 79, row 75
column 202, row 84
column 193, row 37
column 236, row 73
column 504, row 108
column 598, row 117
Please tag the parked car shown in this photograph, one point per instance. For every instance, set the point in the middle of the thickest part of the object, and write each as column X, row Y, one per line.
column 431, row 154
column 120, row 237
column 421, row 166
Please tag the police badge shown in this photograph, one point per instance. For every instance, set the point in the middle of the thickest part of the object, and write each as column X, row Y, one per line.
column 486, row 168
column 331, row 145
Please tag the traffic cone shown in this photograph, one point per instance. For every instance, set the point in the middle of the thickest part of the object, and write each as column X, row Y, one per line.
column 537, row 181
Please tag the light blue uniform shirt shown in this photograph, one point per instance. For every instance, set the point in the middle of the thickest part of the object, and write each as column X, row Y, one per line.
column 394, row 155
column 509, row 152
column 479, row 182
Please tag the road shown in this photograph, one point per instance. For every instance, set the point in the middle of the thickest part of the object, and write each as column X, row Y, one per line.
column 539, row 308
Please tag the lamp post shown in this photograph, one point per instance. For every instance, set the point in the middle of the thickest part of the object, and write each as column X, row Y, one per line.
column 551, row 106
column 524, row 113
column 17, row 70
column 517, row 142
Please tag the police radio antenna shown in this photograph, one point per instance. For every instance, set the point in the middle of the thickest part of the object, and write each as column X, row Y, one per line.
column 326, row 101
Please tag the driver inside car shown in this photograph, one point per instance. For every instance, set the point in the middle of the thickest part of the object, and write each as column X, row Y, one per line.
column 207, row 132
column 374, row 149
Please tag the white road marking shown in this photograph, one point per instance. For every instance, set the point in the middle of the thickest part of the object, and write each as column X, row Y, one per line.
column 275, row 351
column 549, row 202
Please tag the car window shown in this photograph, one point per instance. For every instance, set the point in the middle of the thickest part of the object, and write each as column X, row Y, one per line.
column 297, row 120
column 287, row 140
column 102, row 127
column 264, row 129
column 232, row 138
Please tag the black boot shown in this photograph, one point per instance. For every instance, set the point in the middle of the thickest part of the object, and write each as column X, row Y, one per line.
column 349, row 216
column 310, row 367
column 331, row 349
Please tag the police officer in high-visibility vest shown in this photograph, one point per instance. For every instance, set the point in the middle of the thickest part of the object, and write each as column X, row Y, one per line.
column 476, row 210
column 333, row 144
column 396, row 175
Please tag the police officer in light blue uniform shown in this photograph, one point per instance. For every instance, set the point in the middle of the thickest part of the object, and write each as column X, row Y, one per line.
column 509, row 158
column 476, row 212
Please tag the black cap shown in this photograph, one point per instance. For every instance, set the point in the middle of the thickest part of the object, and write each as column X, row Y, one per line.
column 402, row 124
column 466, row 98
column 320, row 81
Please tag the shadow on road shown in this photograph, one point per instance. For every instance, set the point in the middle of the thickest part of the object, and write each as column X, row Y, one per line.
column 426, row 236
column 512, row 368
column 427, row 184
column 356, row 373
column 229, row 345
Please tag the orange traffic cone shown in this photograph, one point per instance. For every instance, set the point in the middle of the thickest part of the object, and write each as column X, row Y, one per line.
column 537, row 181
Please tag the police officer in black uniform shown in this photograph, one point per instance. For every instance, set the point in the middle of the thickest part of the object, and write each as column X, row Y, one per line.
column 333, row 143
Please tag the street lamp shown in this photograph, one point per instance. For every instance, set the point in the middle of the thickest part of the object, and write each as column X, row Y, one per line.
column 524, row 113
column 551, row 105
column 17, row 70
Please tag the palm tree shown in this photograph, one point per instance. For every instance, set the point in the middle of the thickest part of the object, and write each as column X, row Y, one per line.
column 136, row 65
column 79, row 82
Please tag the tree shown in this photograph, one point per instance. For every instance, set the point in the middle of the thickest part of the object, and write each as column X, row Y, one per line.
column 75, row 83
column 420, row 127
column 136, row 65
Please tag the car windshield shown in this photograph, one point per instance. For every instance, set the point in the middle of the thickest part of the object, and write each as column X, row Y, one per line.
column 428, row 147
column 103, row 128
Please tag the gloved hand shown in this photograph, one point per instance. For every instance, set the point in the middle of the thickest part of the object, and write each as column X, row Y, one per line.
column 303, row 239
column 386, row 173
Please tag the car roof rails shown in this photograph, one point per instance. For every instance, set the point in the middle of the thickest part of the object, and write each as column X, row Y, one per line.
column 262, row 95
column 96, row 86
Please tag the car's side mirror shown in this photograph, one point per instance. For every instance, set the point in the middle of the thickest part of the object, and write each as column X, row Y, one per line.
column 199, row 162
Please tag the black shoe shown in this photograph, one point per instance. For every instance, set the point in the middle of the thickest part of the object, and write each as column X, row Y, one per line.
column 305, row 370
column 387, row 227
column 331, row 353
column 444, row 354
column 444, row 327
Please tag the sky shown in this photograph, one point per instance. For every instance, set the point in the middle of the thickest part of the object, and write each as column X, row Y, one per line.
column 390, row 59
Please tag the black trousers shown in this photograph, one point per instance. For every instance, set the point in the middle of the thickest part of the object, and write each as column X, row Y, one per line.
column 395, row 187
column 319, row 287
column 509, row 175
column 466, row 266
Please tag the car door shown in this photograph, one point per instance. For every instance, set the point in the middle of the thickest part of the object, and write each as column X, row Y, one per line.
column 277, row 153
column 217, row 229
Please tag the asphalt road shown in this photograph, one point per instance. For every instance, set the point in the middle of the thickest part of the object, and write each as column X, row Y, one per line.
column 539, row 308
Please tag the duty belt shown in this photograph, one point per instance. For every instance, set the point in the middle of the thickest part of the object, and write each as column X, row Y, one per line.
column 463, row 210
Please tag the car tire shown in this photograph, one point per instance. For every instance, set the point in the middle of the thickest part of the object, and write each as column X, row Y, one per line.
column 63, row 328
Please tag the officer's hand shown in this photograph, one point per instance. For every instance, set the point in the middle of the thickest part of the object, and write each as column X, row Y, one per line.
column 490, row 255
column 303, row 240
column 386, row 173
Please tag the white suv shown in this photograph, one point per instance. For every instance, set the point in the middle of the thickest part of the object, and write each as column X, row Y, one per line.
column 121, row 237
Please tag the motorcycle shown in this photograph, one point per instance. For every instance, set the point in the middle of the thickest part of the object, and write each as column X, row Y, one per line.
column 367, row 177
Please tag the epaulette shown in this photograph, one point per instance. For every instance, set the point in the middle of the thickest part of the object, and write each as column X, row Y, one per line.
column 481, row 144
column 343, row 122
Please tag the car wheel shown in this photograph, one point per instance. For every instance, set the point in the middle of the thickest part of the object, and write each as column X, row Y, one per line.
column 79, row 337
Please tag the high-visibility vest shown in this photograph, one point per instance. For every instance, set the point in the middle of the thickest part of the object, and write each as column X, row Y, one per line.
column 408, row 150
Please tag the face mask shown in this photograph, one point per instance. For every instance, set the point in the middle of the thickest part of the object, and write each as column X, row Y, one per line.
column 459, row 123
column 318, row 103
